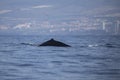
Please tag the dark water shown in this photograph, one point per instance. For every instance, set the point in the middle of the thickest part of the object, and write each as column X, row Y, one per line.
column 89, row 58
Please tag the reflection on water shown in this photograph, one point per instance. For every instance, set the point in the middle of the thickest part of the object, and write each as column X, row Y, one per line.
column 87, row 59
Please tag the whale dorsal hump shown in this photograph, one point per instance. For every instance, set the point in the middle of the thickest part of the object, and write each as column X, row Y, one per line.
column 52, row 39
column 53, row 42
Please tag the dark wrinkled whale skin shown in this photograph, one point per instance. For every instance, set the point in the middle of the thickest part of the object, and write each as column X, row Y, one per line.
column 53, row 42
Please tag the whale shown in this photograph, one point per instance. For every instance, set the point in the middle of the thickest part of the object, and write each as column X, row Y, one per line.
column 55, row 43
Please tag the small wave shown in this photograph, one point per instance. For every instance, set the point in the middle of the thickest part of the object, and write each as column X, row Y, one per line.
column 8, row 51
column 9, row 44
column 24, row 65
column 89, row 45
column 95, row 45
column 72, row 71
column 59, row 50
column 56, row 61
column 107, row 72
column 108, row 45
column 28, row 44
column 48, row 72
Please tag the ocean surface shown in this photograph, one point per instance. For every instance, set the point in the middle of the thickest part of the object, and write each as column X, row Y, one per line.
column 89, row 58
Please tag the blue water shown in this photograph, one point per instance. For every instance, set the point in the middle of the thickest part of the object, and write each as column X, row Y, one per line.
column 89, row 58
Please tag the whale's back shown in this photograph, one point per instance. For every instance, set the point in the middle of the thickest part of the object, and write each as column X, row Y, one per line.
column 53, row 42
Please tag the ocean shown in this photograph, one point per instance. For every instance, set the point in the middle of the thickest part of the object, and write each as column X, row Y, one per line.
column 89, row 58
